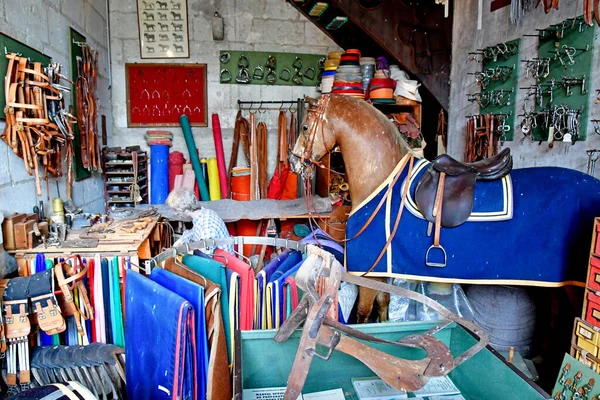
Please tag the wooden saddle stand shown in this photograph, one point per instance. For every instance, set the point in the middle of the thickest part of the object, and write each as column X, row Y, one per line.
column 322, row 271
column 35, row 295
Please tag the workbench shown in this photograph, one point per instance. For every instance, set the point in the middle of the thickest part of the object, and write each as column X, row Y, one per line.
column 114, row 242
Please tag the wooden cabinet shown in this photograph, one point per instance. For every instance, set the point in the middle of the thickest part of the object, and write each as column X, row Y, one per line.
column 125, row 173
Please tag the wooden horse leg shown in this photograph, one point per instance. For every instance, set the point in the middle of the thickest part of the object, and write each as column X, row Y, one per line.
column 383, row 302
column 366, row 297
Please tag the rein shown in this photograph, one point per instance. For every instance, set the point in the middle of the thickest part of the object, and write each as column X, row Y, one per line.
column 307, row 162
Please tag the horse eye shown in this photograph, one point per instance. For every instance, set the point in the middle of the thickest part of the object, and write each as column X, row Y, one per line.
column 304, row 127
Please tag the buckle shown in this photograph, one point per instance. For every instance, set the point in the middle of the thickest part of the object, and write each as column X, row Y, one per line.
column 435, row 264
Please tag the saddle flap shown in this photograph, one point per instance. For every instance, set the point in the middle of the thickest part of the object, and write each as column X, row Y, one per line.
column 457, row 203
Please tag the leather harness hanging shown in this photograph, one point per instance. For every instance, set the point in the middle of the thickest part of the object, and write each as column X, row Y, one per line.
column 38, row 127
column 87, row 109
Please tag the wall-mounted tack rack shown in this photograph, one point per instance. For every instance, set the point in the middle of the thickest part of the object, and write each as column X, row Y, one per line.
column 10, row 45
column 498, row 82
column 563, row 81
column 270, row 68
column 297, row 106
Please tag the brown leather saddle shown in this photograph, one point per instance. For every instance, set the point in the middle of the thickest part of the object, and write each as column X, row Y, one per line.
column 446, row 191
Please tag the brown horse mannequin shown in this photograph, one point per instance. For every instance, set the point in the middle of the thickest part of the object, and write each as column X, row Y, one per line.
column 371, row 147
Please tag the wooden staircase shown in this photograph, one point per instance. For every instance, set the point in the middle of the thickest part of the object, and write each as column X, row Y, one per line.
column 412, row 33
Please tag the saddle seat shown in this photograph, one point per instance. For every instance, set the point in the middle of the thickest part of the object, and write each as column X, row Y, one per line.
column 459, row 185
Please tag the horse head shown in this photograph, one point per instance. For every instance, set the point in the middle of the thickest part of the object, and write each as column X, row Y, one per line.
column 315, row 139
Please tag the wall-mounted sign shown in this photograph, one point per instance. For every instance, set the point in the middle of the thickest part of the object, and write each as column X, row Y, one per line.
column 163, row 27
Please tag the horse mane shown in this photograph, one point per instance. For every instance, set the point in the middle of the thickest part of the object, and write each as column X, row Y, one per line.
column 390, row 127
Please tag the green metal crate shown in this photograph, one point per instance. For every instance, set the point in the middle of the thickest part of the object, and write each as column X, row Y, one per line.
column 265, row 363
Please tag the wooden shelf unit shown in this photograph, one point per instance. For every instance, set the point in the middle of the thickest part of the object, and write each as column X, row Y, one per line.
column 130, row 163
column 585, row 343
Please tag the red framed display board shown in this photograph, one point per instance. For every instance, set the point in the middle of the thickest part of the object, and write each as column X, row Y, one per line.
column 158, row 94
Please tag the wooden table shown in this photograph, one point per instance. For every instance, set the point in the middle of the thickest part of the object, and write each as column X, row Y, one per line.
column 120, row 243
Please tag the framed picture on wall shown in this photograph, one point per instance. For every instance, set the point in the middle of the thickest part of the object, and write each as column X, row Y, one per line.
column 158, row 94
column 163, row 28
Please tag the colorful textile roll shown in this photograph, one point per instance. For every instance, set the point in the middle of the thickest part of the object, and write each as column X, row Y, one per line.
column 161, row 362
column 116, row 309
column 220, row 155
column 215, row 272
column 176, row 162
column 191, row 146
column 193, row 293
column 213, row 179
column 159, row 173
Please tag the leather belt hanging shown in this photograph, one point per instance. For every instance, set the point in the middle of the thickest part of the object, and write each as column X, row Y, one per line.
column 241, row 133
column 87, row 109
column 38, row 127
column 261, row 146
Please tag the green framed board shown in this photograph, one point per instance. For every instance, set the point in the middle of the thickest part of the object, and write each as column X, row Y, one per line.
column 575, row 34
column 10, row 45
column 75, row 51
column 511, row 60
column 259, row 59
column 570, row 373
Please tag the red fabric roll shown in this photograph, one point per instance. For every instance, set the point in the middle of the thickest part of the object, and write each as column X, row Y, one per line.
column 176, row 161
column 220, row 155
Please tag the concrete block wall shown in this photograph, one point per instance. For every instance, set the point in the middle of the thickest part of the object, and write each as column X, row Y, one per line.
column 496, row 28
column 44, row 25
column 260, row 25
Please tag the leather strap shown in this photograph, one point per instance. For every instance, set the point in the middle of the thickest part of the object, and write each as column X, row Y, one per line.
column 63, row 283
column 398, row 217
column 437, row 208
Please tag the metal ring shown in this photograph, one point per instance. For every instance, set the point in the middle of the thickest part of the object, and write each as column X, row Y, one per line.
column 225, row 57
column 271, row 62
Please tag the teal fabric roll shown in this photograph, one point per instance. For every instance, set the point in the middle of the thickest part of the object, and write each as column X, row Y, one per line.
column 215, row 272
column 191, row 146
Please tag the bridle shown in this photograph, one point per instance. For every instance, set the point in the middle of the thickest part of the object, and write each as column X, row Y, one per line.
column 305, row 158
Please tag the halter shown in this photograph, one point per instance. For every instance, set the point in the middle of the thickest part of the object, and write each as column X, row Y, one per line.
column 319, row 110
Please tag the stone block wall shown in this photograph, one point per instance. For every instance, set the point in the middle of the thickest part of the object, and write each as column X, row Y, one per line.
column 496, row 28
column 44, row 25
column 260, row 25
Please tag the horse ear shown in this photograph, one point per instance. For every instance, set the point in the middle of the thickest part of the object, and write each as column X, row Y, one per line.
column 312, row 102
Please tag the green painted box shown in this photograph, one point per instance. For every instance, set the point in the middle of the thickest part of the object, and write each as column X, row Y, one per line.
column 264, row 363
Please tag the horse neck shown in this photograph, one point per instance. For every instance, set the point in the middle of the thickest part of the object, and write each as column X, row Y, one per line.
column 370, row 152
